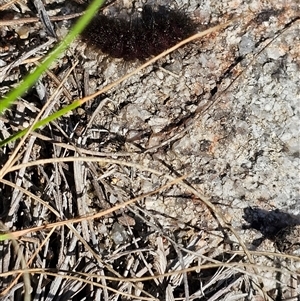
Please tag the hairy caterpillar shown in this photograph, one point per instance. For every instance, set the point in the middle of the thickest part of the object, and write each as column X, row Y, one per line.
column 150, row 34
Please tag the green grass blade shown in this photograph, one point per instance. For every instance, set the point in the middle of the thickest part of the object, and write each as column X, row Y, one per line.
column 42, row 122
column 30, row 79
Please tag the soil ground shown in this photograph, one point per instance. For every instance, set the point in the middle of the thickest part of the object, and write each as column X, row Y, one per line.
column 204, row 144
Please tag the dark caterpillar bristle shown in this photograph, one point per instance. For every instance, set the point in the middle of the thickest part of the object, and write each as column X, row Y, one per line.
column 139, row 38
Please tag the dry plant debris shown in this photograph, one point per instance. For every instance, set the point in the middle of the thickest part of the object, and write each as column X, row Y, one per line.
column 223, row 112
